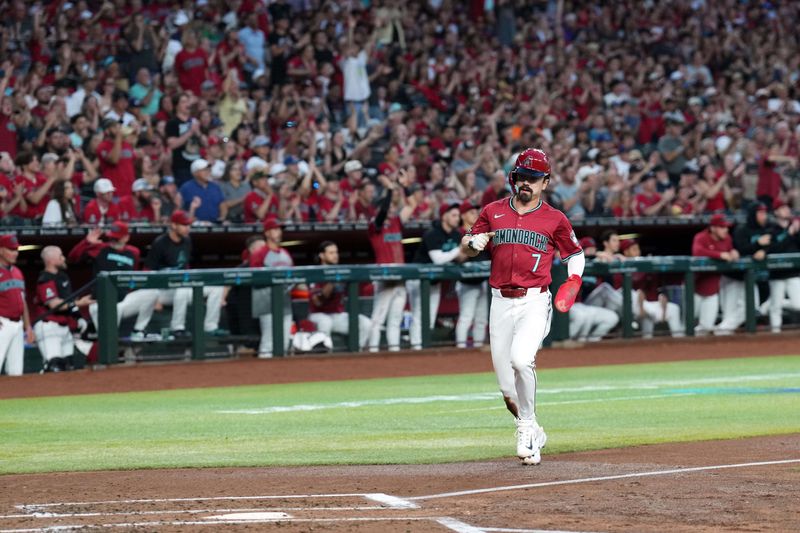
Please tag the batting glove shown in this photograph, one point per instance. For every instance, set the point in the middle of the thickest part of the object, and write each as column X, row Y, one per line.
column 567, row 293
column 479, row 241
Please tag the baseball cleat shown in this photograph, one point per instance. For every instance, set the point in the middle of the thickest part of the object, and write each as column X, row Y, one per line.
column 533, row 460
column 525, row 445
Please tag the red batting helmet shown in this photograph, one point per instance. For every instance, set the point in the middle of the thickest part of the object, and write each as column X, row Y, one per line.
column 533, row 163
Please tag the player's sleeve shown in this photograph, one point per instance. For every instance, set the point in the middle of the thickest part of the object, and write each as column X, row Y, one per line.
column 46, row 290
column 565, row 240
column 481, row 225
column 700, row 247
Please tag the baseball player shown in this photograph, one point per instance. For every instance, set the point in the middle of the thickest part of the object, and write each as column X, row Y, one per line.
column 271, row 255
column 172, row 251
column 524, row 233
column 590, row 323
column 473, row 295
column 714, row 242
column 56, row 316
column 440, row 245
column 784, row 285
column 116, row 254
column 15, row 322
column 386, row 237
column 326, row 301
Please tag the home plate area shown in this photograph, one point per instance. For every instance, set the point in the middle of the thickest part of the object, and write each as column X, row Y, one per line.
column 329, row 512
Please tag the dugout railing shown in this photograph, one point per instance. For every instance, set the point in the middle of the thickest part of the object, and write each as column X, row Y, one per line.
column 109, row 283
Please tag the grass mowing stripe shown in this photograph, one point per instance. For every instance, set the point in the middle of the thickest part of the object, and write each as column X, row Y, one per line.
column 384, row 420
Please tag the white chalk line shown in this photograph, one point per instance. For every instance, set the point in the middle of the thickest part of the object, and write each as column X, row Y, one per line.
column 219, row 522
column 588, row 400
column 491, row 396
column 38, row 514
column 34, row 506
column 602, row 478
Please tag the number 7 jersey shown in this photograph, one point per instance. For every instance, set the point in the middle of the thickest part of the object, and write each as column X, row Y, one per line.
column 524, row 244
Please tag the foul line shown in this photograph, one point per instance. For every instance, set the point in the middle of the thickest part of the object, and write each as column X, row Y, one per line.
column 487, row 396
column 601, row 478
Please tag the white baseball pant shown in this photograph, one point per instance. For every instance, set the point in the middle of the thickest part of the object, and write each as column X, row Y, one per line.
column 180, row 300
column 387, row 306
column 340, row 323
column 606, row 296
column 590, row 322
column 53, row 339
column 732, row 301
column 779, row 291
column 654, row 313
column 265, row 345
column 473, row 312
column 415, row 296
column 12, row 346
column 140, row 304
column 517, row 327
column 706, row 310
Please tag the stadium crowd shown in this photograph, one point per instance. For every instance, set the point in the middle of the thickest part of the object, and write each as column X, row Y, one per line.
column 307, row 110
column 246, row 111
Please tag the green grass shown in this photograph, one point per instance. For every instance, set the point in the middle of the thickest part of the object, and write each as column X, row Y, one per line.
column 399, row 420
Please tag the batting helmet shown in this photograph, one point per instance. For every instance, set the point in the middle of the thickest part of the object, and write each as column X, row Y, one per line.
column 531, row 162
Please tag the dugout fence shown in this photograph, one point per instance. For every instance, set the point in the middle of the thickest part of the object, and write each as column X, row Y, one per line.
column 682, row 268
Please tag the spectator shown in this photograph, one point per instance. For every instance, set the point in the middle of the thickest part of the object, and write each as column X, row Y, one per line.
column 201, row 196
column 261, row 202
column 141, row 206
column 271, row 255
column 183, row 138
column 102, row 210
column 146, row 92
column 15, row 323
column 362, row 207
column 37, row 187
column 326, row 301
column 119, row 110
column 253, row 42
column 117, row 156
column 11, row 194
column 234, row 191
column 62, row 209
column 671, row 146
column 57, row 312
column 648, row 201
column 714, row 242
column 355, row 77
column 191, row 64
column 173, row 251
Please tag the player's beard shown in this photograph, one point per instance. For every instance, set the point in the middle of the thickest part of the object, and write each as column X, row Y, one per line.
column 525, row 195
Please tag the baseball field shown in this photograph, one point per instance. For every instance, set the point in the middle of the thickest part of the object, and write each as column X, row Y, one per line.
column 701, row 435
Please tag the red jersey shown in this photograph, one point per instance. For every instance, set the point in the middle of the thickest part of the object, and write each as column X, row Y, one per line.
column 253, row 200
column 644, row 201
column 12, row 293
column 93, row 214
column 326, row 206
column 8, row 186
column 523, row 246
column 704, row 245
column 31, row 185
column 123, row 173
column 129, row 210
column 365, row 212
column 191, row 69
column 387, row 242
column 332, row 304
column 8, row 135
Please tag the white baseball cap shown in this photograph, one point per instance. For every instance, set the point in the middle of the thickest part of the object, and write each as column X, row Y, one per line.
column 198, row 165
column 352, row 165
column 103, row 185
